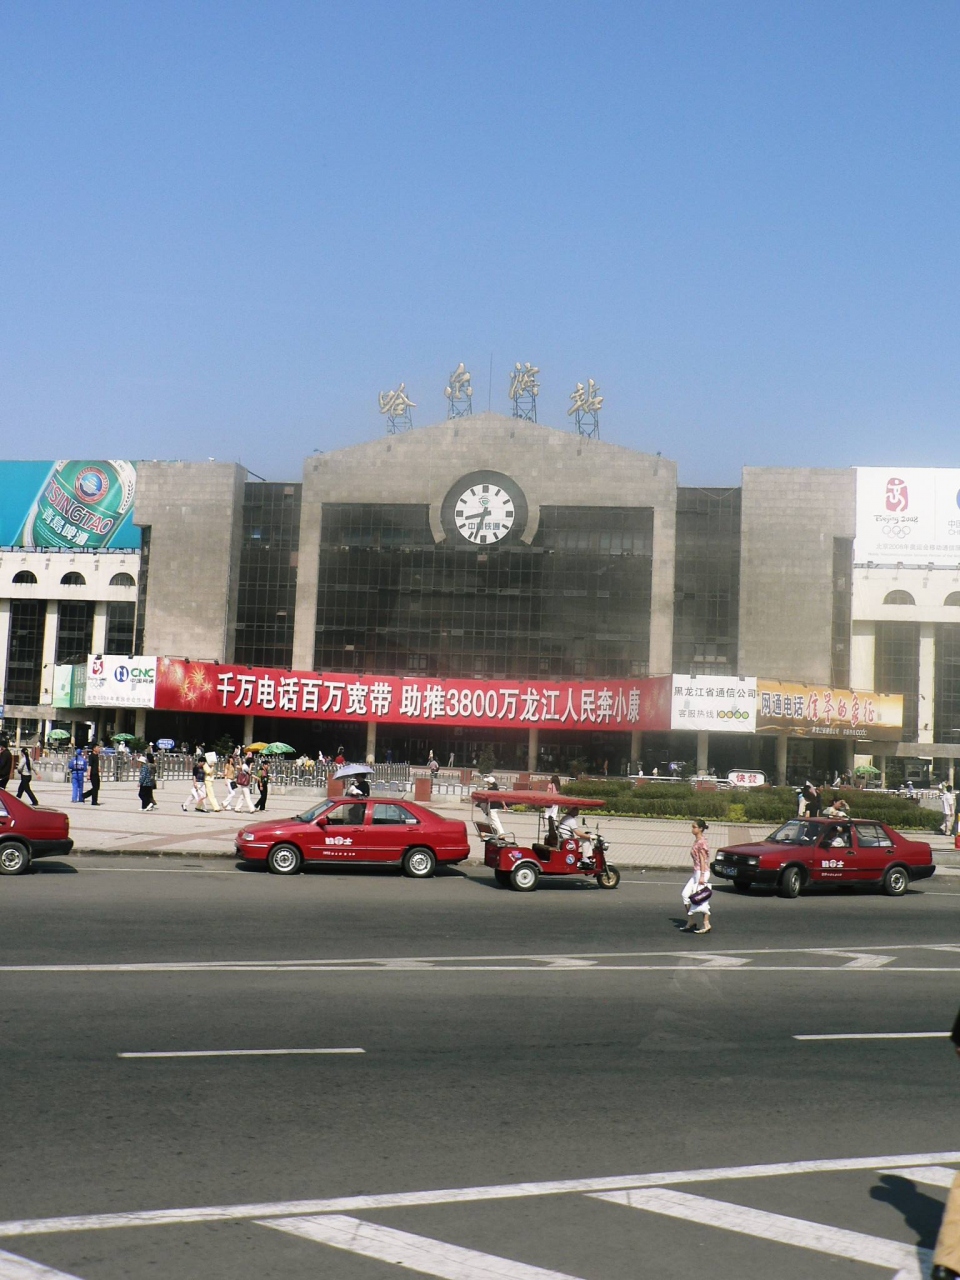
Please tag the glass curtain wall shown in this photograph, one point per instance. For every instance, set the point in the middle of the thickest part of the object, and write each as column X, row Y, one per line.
column 946, row 684
column 897, row 668
column 75, row 630
column 842, row 612
column 142, row 581
column 25, row 656
column 121, row 615
column 392, row 601
column 267, row 598
column 706, row 610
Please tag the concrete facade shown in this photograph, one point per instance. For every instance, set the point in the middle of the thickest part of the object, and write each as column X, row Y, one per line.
column 790, row 517
column 194, row 511
column 552, row 467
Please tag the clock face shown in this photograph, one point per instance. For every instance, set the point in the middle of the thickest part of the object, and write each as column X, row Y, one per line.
column 484, row 513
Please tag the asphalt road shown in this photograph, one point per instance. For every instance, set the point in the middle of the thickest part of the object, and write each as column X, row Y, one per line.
column 570, row 1034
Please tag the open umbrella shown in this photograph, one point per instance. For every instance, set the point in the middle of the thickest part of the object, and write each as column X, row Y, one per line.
column 117, row 737
column 351, row 770
column 256, row 746
column 58, row 735
column 863, row 769
column 279, row 749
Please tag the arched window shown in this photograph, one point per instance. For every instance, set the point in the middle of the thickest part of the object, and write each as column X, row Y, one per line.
column 73, row 580
column 122, row 580
column 952, row 598
column 24, row 577
column 898, row 597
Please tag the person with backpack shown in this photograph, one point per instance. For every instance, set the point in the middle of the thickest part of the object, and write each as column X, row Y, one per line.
column 241, row 791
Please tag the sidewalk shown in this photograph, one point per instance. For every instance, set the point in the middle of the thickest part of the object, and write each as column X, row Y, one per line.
column 119, row 825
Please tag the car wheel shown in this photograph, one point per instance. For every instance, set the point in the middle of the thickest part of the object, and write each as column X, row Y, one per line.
column 609, row 878
column 419, row 863
column 14, row 859
column 791, row 882
column 524, row 878
column 502, row 878
column 284, row 860
column 742, row 886
column 896, row 882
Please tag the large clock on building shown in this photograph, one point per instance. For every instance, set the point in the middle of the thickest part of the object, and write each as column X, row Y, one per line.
column 483, row 509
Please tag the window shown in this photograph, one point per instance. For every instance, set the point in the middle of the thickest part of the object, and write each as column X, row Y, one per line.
column 24, row 578
column 73, row 580
column 142, row 581
column 120, row 623
column 347, row 814
column 577, row 601
column 946, row 683
column 952, row 599
column 898, row 597
column 75, row 632
column 267, row 595
column 873, row 836
column 897, row 668
column 122, row 580
column 842, row 612
column 27, row 623
column 389, row 815
column 706, row 601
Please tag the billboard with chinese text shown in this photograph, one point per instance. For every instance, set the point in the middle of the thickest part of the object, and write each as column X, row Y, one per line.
column 68, row 505
column 624, row 705
column 120, row 682
column 907, row 515
column 817, row 711
column 722, row 704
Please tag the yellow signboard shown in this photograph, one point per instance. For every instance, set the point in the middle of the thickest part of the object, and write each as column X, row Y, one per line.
column 817, row 711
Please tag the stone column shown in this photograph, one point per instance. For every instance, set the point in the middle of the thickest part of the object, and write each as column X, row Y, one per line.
column 636, row 745
column 247, row 731
column 533, row 748
column 49, row 650
column 703, row 750
column 140, row 723
column 4, row 644
column 371, row 740
column 883, row 772
column 781, row 763
column 99, row 638
column 927, row 666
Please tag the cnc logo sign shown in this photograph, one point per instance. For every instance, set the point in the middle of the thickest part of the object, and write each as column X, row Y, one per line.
column 121, row 681
column 121, row 674
column 898, row 495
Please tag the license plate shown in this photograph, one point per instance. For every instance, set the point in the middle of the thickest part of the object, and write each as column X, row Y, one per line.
column 726, row 870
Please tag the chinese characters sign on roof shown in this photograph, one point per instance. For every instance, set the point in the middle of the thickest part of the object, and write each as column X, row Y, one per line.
column 239, row 690
column 817, row 711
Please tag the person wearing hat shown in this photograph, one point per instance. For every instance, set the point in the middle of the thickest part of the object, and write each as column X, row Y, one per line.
column 490, row 807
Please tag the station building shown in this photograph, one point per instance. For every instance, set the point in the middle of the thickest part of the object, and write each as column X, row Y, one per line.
column 492, row 551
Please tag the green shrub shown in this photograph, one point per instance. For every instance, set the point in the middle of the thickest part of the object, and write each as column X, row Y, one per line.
column 737, row 813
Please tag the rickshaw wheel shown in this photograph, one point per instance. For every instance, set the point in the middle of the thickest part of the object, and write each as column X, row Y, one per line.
column 502, row 878
column 524, row 878
column 609, row 878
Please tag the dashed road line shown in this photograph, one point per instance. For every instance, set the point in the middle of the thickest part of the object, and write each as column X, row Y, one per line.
column 232, row 1053
column 878, row 1035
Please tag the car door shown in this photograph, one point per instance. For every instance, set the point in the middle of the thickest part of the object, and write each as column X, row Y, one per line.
column 341, row 833
column 836, row 857
column 875, row 849
column 393, row 829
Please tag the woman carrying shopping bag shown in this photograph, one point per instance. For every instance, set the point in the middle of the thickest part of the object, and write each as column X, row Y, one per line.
column 697, row 892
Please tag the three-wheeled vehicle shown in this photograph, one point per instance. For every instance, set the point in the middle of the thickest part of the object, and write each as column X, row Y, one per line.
column 518, row 866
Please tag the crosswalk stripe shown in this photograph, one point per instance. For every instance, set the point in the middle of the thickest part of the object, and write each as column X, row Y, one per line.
column 836, row 1241
column 13, row 1267
column 402, row 1248
column 931, row 1175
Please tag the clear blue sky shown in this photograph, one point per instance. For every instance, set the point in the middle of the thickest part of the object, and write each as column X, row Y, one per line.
column 225, row 227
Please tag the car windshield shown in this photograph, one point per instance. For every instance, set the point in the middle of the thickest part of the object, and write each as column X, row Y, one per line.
column 797, row 832
column 311, row 815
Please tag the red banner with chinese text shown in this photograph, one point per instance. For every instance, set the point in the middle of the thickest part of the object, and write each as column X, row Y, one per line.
column 232, row 689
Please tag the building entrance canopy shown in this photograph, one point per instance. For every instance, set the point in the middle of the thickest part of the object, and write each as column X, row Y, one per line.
column 234, row 689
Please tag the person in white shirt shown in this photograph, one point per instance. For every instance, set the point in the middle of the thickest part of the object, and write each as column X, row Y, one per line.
column 948, row 803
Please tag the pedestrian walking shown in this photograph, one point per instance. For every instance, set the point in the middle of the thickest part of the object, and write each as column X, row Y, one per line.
column 78, row 771
column 6, row 762
column 148, row 781
column 209, row 773
column 230, row 778
column 553, row 789
column 25, row 770
column 946, row 1255
column 244, row 778
column 93, row 776
column 696, row 892
column 948, row 805
column 263, row 786
column 198, row 791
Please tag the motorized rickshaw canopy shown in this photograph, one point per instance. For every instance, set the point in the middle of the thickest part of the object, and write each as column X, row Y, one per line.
column 536, row 799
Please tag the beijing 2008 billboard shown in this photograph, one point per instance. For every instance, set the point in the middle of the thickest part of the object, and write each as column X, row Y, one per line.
column 68, row 505
column 908, row 515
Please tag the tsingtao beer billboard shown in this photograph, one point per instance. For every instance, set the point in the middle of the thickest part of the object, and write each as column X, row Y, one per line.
column 68, row 505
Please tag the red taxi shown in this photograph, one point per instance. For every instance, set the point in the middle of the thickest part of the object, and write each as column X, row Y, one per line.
column 357, row 831
column 827, row 851
column 27, row 832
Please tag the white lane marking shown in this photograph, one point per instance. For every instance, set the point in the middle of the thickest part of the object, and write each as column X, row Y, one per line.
column 13, row 1267
column 686, row 962
column 879, row 1035
column 931, row 1175
column 461, row 1195
column 860, row 959
column 771, row 1226
column 425, row 1256
column 231, row 1053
